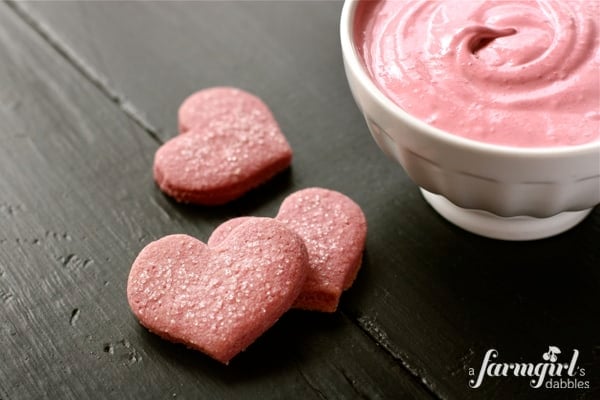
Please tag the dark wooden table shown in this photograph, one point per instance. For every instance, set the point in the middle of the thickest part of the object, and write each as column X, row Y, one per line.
column 88, row 91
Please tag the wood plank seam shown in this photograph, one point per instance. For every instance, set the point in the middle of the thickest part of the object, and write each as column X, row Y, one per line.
column 309, row 383
column 370, row 329
column 100, row 82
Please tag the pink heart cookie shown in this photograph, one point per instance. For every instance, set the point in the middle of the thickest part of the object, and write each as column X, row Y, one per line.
column 229, row 148
column 218, row 299
column 334, row 230
column 207, row 105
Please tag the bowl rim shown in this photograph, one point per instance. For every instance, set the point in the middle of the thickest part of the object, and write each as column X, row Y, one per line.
column 354, row 62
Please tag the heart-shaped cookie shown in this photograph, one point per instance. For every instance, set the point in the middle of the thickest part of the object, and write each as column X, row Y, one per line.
column 334, row 230
column 231, row 144
column 211, row 104
column 218, row 299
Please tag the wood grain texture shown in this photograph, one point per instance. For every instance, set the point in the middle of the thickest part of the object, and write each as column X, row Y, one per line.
column 77, row 203
column 432, row 296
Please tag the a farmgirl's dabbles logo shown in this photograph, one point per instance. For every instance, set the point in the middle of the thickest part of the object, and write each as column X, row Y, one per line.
column 549, row 373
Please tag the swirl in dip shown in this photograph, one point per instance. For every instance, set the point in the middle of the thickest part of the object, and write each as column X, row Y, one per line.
column 515, row 73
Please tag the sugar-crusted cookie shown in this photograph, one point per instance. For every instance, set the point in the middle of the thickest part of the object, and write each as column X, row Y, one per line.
column 218, row 299
column 334, row 230
column 231, row 144
column 211, row 104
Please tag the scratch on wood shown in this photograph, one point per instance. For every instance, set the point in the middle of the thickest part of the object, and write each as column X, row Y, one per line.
column 5, row 296
column 58, row 236
column 26, row 241
column 74, row 316
column 464, row 362
column 3, row 395
column 10, row 210
column 39, row 241
column 161, row 209
column 73, row 261
column 310, row 384
column 354, row 384
column 125, row 350
column 133, row 355
column 66, row 260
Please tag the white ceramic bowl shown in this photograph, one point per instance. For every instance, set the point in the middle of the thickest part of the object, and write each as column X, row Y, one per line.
column 496, row 191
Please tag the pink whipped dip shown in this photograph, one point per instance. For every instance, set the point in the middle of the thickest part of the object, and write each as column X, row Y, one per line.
column 516, row 73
